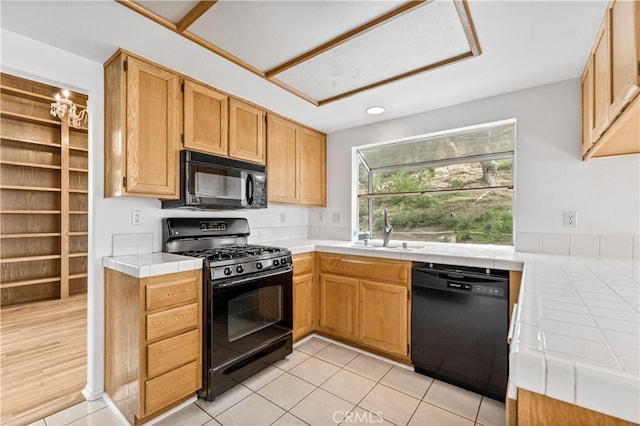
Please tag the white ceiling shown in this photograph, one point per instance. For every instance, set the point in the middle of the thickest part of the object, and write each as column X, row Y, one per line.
column 524, row 44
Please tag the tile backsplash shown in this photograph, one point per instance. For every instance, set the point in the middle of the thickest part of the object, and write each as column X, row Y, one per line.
column 623, row 246
column 125, row 244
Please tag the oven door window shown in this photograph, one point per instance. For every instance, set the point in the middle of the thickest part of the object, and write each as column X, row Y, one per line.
column 254, row 310
column 247, row 316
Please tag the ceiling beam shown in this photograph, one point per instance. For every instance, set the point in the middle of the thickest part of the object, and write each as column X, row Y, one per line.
column 429, row 67
column 188, row 35
column 343, row 38
column 462, row 7
column 191, row 16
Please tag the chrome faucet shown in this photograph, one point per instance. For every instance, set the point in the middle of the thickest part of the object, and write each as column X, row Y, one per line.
column 387, row 230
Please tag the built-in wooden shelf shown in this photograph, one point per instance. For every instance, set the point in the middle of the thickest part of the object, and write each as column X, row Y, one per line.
column 29, row 258
column 26, row 93
column 20, row 283
column 29, row 188
column 76, row 276
column 30, row 212
column 41, row 188
column 23, row 140
column 32, row 165
column 30, row 118
column 30, row 235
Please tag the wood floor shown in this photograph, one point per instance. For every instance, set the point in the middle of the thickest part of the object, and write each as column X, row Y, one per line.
column 43, row 358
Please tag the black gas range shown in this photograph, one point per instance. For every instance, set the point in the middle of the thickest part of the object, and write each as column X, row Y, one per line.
column 247, row 298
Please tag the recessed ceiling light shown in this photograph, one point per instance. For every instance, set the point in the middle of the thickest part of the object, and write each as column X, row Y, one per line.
column 375, row 110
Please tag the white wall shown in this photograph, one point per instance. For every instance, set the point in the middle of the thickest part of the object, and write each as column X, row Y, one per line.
column 31, row 59
column 550, row 177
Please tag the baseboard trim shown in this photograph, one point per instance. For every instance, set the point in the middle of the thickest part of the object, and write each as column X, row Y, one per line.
column 353, row 348
column 114, row 409
column 92, row 394
column 172, row 411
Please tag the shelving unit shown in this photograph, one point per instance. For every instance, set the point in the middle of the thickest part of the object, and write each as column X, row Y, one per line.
column 44, row 171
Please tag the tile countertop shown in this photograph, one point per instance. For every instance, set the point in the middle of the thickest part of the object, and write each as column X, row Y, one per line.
column 576, row 332
column 151, row 264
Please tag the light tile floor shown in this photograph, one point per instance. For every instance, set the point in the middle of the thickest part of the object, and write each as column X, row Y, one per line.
column 321, row 384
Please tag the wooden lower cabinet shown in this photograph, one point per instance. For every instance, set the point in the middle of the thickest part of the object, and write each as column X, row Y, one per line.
column 383, row 316
column 304, row 295
column 153, row 342
column 339, row 306
column 534, row 409
column 366, row 301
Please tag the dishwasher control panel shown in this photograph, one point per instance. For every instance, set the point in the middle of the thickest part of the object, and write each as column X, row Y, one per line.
column 490, row 291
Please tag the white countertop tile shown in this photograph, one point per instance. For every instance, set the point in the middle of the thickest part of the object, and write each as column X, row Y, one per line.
column 151, row 264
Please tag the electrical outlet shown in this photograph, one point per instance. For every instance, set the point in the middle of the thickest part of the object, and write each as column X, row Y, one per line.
column 336, row 217
column 136, row 217
column 283, row 217
column 570, row 219
column 321, row 216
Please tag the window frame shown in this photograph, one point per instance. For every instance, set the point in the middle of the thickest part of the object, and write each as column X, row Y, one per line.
column 359, row 160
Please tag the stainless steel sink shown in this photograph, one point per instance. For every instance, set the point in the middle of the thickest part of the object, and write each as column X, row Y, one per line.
column 379, row 246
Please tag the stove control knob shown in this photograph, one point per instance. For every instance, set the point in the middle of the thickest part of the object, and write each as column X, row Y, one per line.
column 276, row 262
column 227, row 271
column 239, row 269
column 259, row 265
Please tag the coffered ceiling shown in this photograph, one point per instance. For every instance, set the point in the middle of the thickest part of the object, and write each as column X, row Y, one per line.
column 324, row 51
column 524, row 44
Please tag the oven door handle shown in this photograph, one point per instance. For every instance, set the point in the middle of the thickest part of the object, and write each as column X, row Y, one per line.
column 266, row 274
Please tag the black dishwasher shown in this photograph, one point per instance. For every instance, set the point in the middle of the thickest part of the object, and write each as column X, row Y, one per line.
column 459, row 326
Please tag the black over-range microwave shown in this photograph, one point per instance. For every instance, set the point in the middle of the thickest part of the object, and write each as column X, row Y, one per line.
column 209, row 182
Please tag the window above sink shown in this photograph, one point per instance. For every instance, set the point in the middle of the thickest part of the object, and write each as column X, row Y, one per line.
column 453, row 186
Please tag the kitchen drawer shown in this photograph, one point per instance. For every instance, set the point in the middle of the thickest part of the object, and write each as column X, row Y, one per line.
column 172, row 321
column 378, row 269
column 171, row 387
column 303, row 264
column 171, row 353
column 171, row 290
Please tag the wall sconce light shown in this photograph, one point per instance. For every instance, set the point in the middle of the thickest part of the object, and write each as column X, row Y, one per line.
column 66, row 110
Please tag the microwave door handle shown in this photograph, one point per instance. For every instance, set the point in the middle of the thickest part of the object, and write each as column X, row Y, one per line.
column 249, row 189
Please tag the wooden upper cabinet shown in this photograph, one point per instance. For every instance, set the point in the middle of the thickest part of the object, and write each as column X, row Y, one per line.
column 312, row 168
column 601, row 87
column 623, row 17
column 611, row 84
column 206, row 117
column 297, row 163
column 282, row 159
column 587, row 107
column 143, row 113
column 246, row 131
